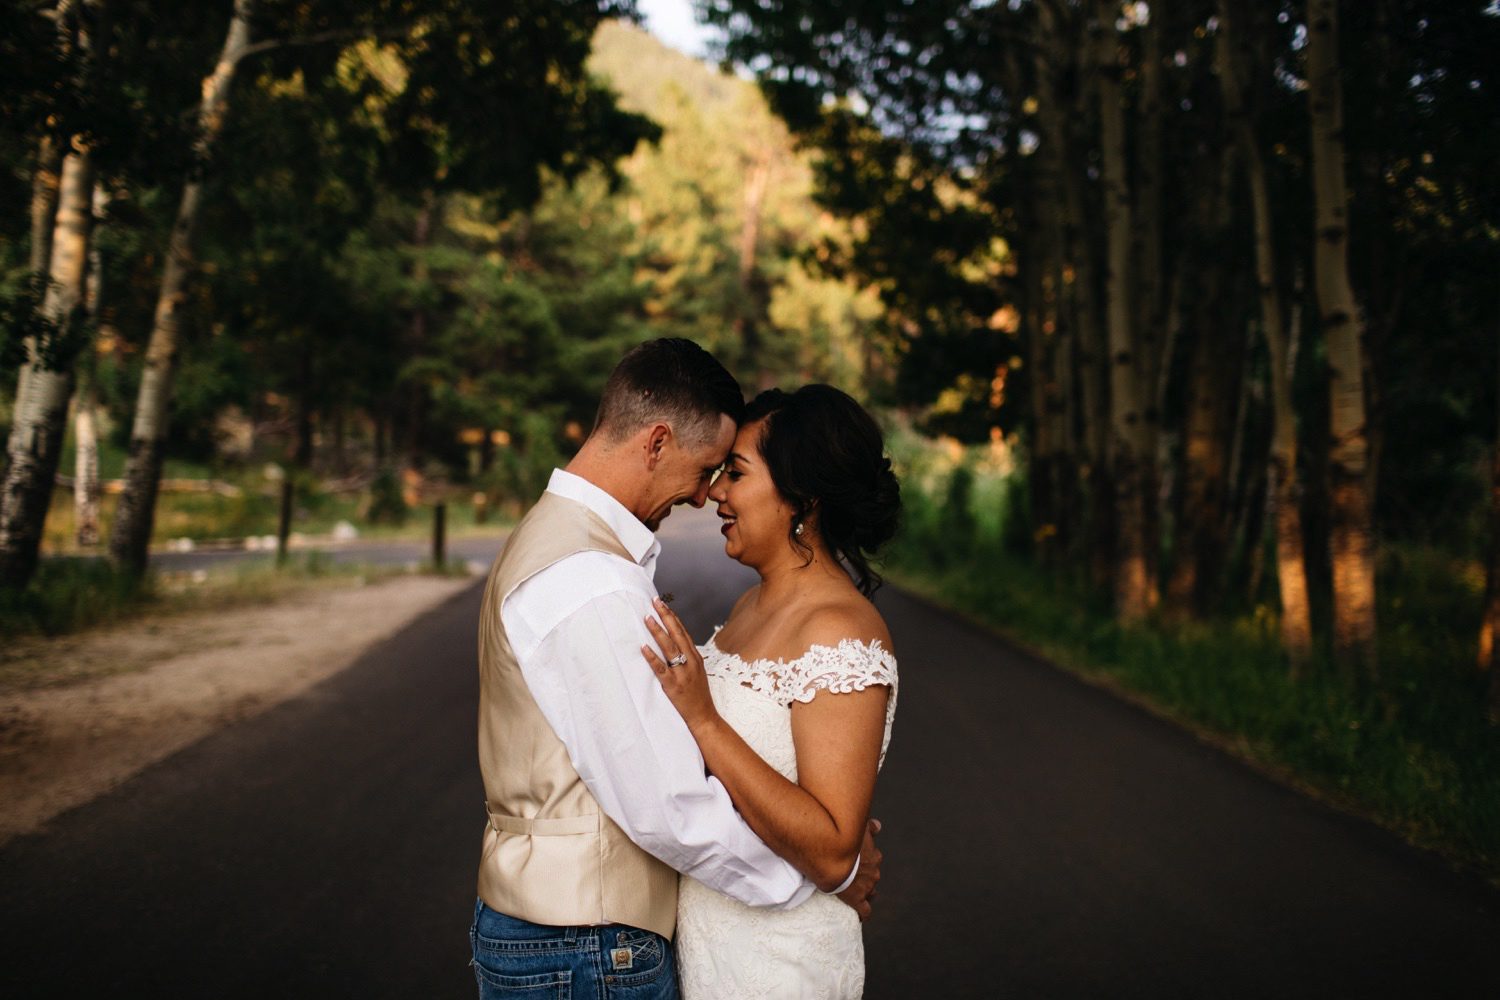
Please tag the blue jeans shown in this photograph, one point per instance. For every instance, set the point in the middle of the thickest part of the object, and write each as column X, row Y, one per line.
column 516, row 958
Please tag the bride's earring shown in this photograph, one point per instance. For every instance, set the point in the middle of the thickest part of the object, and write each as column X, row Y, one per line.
column 797, row 529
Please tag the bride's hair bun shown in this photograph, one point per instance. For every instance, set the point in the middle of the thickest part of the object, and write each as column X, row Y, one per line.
column 827, row 458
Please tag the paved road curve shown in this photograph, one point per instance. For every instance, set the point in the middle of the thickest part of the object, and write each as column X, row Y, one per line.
column 1043, row 840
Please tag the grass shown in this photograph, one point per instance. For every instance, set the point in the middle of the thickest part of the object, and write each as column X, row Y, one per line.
column 67, row 594
column 208, row 516
column 1413, row 753
column 73, row 594
column 72, row 591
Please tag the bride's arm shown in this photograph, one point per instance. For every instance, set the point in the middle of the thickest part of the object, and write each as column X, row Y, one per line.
column 817, row 823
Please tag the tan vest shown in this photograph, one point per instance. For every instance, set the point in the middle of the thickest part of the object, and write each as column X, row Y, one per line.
column 550, row 856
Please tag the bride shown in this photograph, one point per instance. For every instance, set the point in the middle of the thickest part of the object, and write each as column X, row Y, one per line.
column 791, row 700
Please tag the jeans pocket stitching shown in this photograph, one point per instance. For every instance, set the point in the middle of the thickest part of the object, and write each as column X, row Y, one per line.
column 528, row 946
column 536, row 981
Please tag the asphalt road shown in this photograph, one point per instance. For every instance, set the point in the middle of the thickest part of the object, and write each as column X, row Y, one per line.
column 1042, row 840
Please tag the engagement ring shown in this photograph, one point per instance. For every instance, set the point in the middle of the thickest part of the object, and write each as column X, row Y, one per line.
column 677, row 660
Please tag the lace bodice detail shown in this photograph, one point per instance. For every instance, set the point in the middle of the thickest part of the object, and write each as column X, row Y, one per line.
column 729, row 951
column 852, row 665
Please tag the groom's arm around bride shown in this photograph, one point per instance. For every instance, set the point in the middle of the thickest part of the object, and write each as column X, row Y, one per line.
column 595, row 790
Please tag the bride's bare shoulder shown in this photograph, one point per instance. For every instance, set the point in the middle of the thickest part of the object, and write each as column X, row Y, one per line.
column 828, row 623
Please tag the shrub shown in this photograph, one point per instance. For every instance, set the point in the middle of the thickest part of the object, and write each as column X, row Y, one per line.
column 386, row 504
column 67, row 594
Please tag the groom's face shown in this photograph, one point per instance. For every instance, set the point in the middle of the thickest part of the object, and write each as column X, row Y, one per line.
column 685, row 471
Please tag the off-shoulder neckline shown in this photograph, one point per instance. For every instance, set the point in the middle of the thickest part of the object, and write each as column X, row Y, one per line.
column 874, row 646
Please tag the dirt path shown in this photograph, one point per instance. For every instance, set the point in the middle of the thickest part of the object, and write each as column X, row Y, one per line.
column 123, row 698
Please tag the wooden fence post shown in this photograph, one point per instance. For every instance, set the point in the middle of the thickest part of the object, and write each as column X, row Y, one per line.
column 284, row 528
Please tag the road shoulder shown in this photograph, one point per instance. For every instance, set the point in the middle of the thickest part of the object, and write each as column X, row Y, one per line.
column 179, row 679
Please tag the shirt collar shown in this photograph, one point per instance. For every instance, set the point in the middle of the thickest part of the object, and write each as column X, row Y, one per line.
column 639, row 540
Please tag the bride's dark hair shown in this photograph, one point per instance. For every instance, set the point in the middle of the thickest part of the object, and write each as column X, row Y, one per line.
column 826, row 456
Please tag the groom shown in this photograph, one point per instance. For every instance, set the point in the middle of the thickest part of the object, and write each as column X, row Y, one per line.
column 595, row 790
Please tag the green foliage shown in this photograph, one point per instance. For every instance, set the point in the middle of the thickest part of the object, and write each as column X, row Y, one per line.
column 343, row 122
column 520, row 470
column 65, row 595
column 1415, row 753
column 492, row 96
column 907, row 107
column 956, row 519
column 687, row 201
column 1425, row 217
column 1017, row 526
column 939, row 255
column 75, row 594
column 415, row 239
column 385, row 504
column 19, row 319
column 904, row 98
column 209, row 515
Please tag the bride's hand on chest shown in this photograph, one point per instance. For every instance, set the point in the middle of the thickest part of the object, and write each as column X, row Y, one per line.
column 679, row 667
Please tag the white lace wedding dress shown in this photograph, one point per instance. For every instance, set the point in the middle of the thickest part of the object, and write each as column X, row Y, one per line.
column 726, row 950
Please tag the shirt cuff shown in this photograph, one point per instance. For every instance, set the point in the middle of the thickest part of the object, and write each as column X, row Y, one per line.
column 848, row 881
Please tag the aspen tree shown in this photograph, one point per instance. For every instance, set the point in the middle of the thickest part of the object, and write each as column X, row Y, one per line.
column 45, row 385
column 1284, row 488
column 42, row 414
column 1352, row 535
column 131, row 533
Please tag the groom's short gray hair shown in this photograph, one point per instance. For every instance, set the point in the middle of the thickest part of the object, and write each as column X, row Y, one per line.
column 672, row 380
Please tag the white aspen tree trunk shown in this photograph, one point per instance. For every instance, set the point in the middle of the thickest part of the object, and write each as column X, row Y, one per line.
column 46, row 179
column 86, row 406
column 1283, row 488
column 45, row 184
column 130, row 536
column 41, row 417
column 1352, row 536
column 1127, row 420
column 86, row 466
column 1284, row 485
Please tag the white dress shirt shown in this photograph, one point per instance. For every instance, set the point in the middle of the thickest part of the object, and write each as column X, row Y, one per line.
column 577, row 628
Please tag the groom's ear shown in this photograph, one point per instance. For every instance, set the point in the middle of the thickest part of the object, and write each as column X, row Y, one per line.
column 656, row 444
